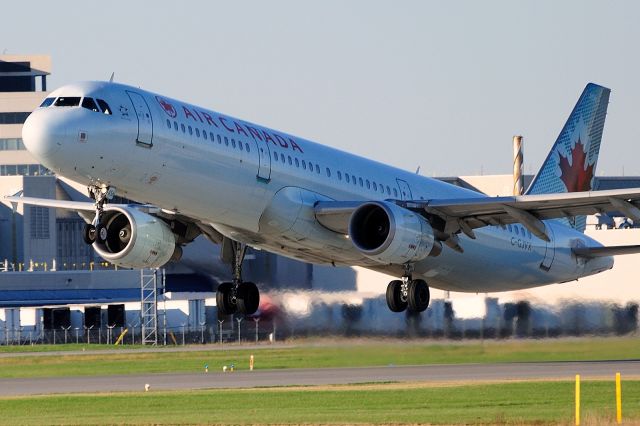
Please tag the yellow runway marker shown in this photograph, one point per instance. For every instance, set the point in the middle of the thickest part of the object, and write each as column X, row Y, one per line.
column 618, row 399
column 577, row 400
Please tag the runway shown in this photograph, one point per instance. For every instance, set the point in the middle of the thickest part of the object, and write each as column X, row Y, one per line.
column 459, row 373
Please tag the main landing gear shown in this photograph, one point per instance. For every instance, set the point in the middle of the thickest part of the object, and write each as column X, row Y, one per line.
column 238, row 296
column 96, row 231
column 408, row 294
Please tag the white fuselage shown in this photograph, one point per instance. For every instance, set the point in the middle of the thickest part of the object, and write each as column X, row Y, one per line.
column 258, row 186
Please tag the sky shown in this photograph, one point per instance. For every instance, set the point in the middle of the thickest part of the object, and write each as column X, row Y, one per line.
column 443, row 85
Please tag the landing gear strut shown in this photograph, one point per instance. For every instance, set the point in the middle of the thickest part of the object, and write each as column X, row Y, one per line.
column 238, row 296
column 408, row 294
column 96, row 230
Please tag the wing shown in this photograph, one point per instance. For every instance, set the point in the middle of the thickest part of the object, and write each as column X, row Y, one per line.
column 59, row 204
column 456, row 215
column 86, row 210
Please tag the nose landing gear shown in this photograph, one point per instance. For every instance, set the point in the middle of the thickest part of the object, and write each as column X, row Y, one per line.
column 238, row 296
column 96, row 231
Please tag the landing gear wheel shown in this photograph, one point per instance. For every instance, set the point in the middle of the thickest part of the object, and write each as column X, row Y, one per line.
column 248, row 298
column 89, row 234
column 224, row 299
column 101, row 232
column 394, row 297
column 419, row 296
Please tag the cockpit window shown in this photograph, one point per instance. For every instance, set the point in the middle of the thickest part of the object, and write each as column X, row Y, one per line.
column 105, row 107
column 47, row 102
column 63, row 101
column 90, row 104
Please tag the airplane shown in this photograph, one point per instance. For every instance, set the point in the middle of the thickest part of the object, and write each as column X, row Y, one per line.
column 193, row 171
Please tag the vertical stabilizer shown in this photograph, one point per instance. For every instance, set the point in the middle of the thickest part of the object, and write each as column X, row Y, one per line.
column 571, row 163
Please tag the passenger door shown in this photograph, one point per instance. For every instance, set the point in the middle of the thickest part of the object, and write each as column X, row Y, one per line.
column 550, row 252
column 145, row 121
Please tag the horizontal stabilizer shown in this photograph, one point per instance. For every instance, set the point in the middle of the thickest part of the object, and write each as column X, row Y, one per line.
column 591, row 252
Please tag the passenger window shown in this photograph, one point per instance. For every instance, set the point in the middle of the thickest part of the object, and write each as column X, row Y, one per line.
column 375, row 186
column 304, row 165
column 67, row 102
column 310, row 166
column 275, row 156
column 297, row 163
column 317, row 169
column 197, row 132
column 226, row 141
column 212, row 137
column 346, row 178
column 47, row 102
column 246, row 145
column 289, row 159
column 204, row 135
column 328, row 172
column 233, row 143
column 368, row 184
column 282, row 158
column 89, row 104
column 190, row 130
column 361, row 183
column 182, row 127
column 219, row 139
column 105, row 107
column 353, row 180
column 339, row 175
column 240, row 146
column 168, row 122
column 175, row 126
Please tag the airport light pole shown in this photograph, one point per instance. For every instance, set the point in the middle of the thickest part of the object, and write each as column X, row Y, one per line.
column 239, row 321
column 256, row 320
column 202, row 324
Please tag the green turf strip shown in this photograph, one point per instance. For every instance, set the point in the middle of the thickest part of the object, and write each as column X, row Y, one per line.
column 315, row 356
column 511, row 403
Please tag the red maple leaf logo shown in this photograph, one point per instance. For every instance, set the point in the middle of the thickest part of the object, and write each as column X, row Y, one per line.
column 576, row 176
column 167, row 107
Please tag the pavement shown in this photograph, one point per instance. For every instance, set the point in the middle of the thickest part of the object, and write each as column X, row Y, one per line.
column 458, row 373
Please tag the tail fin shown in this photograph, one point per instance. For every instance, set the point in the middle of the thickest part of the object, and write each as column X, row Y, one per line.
column 571, row 163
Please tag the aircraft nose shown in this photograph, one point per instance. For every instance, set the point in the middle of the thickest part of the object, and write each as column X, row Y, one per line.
column 43, row 134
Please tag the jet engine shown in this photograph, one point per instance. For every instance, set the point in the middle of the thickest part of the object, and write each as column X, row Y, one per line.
column 135, row 239
column 390, row 234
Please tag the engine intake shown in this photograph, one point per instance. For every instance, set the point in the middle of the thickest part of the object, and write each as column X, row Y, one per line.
column 390, row 234
column 136, row 239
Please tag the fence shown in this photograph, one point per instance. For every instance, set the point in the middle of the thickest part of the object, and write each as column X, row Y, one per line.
column 223, row 332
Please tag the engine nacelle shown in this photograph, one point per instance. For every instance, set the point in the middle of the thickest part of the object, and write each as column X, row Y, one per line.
column 390, row 234
column 136, row 239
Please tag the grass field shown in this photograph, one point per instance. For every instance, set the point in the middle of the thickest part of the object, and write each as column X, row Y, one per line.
column 503, row 403
column 367, row 353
